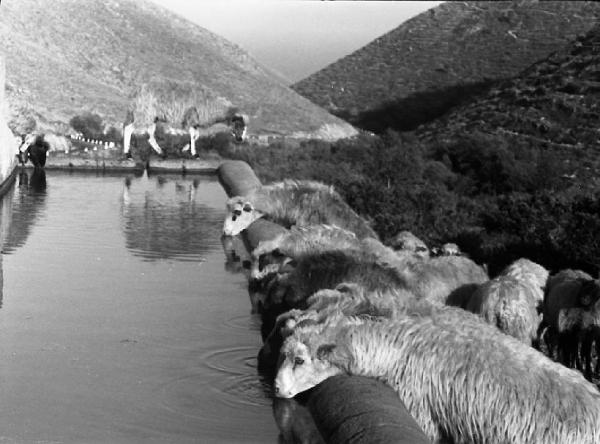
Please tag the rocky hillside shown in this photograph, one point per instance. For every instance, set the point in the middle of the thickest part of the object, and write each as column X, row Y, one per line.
column 430, row 63
column 67, row 57
column 554, row 105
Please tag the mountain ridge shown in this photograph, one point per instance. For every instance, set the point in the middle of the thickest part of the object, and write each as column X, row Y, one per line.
column 455, row 43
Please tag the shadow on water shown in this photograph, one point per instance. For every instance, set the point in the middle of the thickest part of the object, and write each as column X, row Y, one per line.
column 18, row 216
column 162, row 219
column 26, row 208
column 5, row 222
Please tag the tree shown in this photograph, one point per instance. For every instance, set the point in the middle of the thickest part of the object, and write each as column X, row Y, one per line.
column 88, row 124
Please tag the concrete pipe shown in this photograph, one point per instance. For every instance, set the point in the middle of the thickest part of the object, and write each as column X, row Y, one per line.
column 237, row 178
column 361, row 410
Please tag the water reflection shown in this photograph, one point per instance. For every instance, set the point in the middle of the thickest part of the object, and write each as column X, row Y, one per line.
column 295, row 423
column 26, row 208
column 102, row 345
column 167, row 218
column 5, row 221
column 237, row 259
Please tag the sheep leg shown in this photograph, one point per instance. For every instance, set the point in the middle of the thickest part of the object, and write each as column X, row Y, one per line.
column 566, row 342
column 127, row 133
column 194, row 135
column 597, row 369
column 542, row 334
column 586, row 354
column 577, row 340
column 152, row 140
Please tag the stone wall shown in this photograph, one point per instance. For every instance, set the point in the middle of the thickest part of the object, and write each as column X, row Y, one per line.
column 8, row 143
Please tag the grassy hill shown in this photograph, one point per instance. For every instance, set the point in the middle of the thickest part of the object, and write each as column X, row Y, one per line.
column 419, row 70
column 67, row 57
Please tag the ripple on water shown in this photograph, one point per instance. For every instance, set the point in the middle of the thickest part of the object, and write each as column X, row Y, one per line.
column 226, row 380
column 246, row 322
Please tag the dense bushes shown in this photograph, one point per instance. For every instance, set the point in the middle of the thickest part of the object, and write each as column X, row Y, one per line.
column 88, row 124
column 497, row 199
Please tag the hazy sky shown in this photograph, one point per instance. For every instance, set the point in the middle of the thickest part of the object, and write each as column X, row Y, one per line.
column 297, row 37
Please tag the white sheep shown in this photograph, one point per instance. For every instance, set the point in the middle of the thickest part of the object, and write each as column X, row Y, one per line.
column 294, row 202
column 348, row 299
column 510, row 301
column 407, row 241
column 172, row 103
column 440, row 278
column 271, row 254
column 461, row 379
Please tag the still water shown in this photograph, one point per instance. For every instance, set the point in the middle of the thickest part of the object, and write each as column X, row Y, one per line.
column 120, row 322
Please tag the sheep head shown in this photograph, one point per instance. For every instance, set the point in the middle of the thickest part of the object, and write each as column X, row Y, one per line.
column 240, row 215
column 303, row 366
column 589, row 293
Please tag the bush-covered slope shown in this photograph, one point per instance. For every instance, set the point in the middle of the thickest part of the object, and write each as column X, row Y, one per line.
column 553, row 107
column 66, row 57
column 436, row 60
column 512, row 174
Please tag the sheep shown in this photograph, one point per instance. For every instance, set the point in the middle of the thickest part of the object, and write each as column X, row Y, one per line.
column 316, row 271
column 509, row 304
column 346, row 298
column 591, row 337
column 324, row 270
column 294, row 202
column 447, row 249
column 461, row 379
column 407, row 241
column 570, row 297
column 510, row 301
column 440, row 278
column 269, row 255
column 158, row 102
column 450, row 249
column 274, row 259
column 434, row 279
column 524, row 268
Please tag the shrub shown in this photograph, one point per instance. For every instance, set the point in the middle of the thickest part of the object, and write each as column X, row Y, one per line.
column 88, row 124
column 113, row 135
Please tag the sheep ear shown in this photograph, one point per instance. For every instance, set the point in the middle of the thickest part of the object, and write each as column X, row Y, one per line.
column 277, row 253
column 325, row 351
column 288, row 266
column 335, row 354
column 308, row 323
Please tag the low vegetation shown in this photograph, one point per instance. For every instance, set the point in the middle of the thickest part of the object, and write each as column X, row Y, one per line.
column 497, row 200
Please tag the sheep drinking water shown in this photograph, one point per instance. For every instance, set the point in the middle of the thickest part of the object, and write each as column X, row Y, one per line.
column 461, row 379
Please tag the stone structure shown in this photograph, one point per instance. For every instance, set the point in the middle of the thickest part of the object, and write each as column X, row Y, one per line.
column 8, row 143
